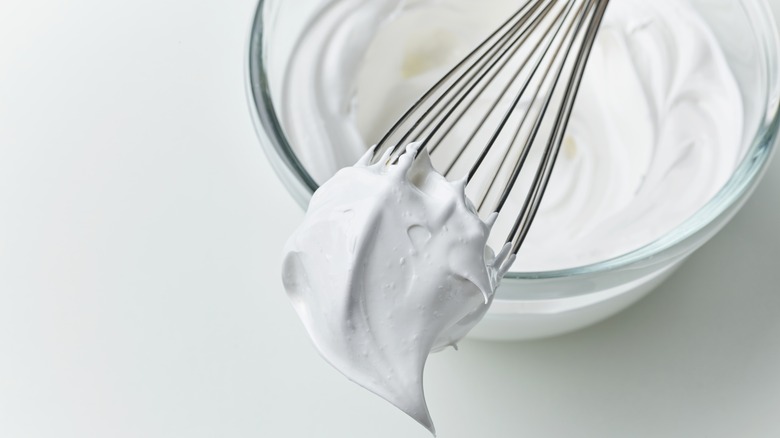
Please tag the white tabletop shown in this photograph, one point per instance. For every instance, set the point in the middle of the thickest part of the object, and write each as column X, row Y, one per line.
column 140, row 233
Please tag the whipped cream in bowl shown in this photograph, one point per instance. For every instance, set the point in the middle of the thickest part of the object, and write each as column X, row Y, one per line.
column 671, row 132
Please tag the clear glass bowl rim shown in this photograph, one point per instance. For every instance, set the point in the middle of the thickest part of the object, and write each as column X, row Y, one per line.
column 738, row 187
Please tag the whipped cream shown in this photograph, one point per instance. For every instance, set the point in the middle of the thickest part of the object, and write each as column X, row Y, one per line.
column 656, row 130
column 391, row 263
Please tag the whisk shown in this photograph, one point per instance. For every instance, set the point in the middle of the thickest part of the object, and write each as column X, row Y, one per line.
column 506, row 103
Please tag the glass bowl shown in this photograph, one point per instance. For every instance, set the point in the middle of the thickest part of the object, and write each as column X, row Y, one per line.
column 532, row 305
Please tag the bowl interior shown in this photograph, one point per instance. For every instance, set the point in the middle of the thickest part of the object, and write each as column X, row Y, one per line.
column 744, row 29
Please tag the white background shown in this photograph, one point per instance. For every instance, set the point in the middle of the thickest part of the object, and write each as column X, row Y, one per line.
column 140, row 233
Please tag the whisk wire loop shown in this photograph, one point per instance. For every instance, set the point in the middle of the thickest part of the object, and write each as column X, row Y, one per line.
column 503, row 104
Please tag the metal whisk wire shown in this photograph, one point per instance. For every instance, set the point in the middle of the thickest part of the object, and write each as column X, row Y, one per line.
column 516, row 72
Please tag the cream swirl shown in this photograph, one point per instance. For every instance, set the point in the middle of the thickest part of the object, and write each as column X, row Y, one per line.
column 655, row 133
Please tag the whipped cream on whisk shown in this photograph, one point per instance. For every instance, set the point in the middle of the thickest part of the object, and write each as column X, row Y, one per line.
column 391, row 263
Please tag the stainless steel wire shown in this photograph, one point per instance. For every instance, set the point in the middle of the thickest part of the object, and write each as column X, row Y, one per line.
column 499, row 117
